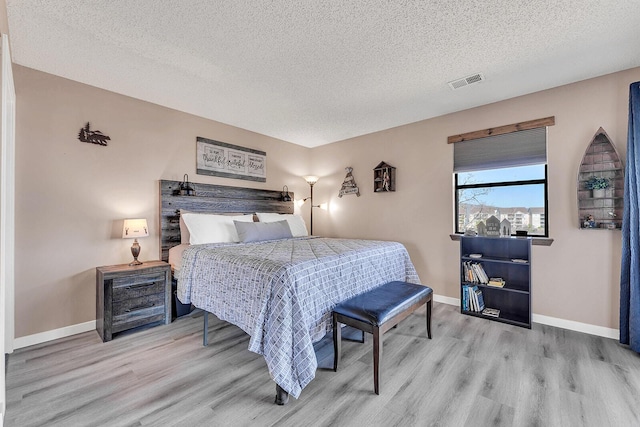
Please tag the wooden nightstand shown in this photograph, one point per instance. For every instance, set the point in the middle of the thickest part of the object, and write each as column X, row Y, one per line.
column 132, row 296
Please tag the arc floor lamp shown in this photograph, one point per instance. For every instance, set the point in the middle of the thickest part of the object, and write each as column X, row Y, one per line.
column 311, row 180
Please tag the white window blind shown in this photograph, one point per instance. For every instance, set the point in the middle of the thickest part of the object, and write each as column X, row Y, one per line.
column 522, row 148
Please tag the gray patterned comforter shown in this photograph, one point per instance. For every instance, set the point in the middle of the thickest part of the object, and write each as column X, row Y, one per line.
column 282, row 292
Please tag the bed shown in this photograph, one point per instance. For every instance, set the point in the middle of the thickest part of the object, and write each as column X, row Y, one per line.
column 279, row 291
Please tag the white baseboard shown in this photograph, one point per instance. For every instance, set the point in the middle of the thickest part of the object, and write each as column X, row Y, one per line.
column 53, row 334
column 537, row 318
column 446, row 300
column 571, row 325
column 600, row 331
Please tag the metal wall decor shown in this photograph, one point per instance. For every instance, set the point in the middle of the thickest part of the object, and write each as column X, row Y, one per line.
column 186, row 188
column 285, row 194
column 217, row 158
column 92, row 136
column 349, row 184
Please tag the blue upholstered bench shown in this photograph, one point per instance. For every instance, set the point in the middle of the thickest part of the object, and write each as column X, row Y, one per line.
column 376, row 311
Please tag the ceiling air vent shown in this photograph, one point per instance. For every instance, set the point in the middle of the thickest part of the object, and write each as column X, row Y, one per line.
column 466, row 81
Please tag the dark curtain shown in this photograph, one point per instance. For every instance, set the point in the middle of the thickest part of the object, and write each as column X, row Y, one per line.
column 630, row 271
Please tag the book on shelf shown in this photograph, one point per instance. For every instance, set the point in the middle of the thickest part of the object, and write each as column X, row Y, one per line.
column 474, row 273
column 478, row 298
column 468, row 274
column 492, row 312
column 466, row 298
column 472, row 298
column 480, row 274
column 463, row 297
column 496, row 281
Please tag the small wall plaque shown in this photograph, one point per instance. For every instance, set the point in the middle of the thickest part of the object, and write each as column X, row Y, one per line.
column 349, row 184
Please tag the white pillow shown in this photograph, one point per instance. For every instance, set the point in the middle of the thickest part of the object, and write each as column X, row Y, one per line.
column 184, row 231
column 208, row 228
column 296, row 223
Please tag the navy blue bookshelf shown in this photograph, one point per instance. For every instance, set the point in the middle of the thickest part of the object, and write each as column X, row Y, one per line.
column 498, row 255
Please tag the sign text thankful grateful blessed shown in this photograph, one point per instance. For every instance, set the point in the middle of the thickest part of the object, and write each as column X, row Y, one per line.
column 230, row 161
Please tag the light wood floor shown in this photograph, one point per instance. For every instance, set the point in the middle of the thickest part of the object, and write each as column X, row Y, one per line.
column 472, row 373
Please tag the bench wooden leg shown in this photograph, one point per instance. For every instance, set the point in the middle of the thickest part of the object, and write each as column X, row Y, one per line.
column 337, row 342
column 429, row 319
column 377, row 356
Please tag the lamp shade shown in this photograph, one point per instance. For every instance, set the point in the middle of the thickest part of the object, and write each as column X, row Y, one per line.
column 134, row 228
column 311, row 179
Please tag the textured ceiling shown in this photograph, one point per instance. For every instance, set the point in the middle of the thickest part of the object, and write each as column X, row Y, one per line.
column 315, row 72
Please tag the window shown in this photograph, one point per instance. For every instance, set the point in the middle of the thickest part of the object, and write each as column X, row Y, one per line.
column 505, row 177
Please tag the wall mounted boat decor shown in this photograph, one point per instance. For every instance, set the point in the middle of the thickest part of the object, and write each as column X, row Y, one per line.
column 600, row 185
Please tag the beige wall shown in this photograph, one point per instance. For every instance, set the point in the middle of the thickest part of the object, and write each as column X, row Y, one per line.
column 4, row 22
column 577, row 278
column 71, row 196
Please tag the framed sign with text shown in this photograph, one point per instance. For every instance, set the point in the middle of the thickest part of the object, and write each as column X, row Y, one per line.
column 217, row 158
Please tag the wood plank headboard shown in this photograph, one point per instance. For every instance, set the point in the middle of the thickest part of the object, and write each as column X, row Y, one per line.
column 212, row 199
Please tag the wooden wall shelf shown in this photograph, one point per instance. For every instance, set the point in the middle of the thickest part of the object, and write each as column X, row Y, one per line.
column 601, row 211
column 384, row 178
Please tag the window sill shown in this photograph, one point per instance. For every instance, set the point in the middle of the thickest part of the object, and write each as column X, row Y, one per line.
column 536, row 241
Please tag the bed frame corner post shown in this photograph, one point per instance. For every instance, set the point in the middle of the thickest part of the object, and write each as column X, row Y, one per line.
column 282, row 397
column 205, row 329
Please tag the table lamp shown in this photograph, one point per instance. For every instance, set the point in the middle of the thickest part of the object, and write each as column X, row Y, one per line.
column 132, row 229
